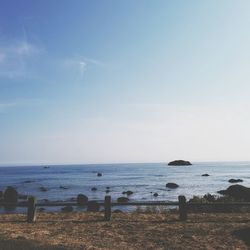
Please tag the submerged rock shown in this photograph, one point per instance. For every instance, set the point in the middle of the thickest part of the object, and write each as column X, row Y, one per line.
column 238, row 192
column 22, row 196
column 63, row 187
column 43, row 189
column 10, row 195
column 179, row 163
column 82, row 199
column 122, row 199
column 28, row 181
column 41, row 209
column 235, row 180
column 93, row 206
column 128, row 192
column 67, row 209
column 172, row 185
column 117, row 211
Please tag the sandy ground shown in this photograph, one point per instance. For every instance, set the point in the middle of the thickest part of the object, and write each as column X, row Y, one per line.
column 125, row 231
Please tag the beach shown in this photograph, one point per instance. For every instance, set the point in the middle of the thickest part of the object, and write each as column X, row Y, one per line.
column 65, row 231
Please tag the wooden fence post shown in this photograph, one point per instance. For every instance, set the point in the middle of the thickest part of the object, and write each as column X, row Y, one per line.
column 31, row 212
column 107, row 208
column 182, row 207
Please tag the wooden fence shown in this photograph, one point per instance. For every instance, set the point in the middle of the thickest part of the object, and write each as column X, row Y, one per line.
column 31, row 205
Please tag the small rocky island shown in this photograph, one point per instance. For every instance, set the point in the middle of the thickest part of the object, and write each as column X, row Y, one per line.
column 179, row 163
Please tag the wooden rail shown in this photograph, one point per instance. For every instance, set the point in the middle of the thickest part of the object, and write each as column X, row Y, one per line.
column 31, row 205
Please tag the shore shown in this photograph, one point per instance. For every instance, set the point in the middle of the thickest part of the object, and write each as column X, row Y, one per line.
column 77, row 231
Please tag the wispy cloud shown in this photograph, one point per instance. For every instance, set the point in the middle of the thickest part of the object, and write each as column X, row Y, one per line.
column 81, row 65
column 2, row 57
column 24, row 48
column 5, row 106
column 15, row 57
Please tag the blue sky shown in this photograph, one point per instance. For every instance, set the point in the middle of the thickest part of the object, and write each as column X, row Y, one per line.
column 124, row 81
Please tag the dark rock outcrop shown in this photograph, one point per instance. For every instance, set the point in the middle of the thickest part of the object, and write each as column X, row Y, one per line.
column 205, row 175
column 99, row 174
column 172, row 185
column 82, row 199
column 122, row 199
column 10, row 195
column 41, row 209
column 67, row 209
column 128, row 192
column 43, row 189
column 238, row 192
column 93, row 189
column 117, row 211
column 93, row 206
column 28, row 181
column 155, row 194
column 235, row 180
column 22, row 196
column 63, row 187
column 179, row 163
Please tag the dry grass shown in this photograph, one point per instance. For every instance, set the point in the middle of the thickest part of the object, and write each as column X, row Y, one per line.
column 125, row 231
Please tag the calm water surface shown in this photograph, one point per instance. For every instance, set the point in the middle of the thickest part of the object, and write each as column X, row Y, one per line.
column 142, row 179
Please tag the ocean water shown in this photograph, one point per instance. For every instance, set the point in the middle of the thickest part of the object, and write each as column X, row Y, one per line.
column 142, row 179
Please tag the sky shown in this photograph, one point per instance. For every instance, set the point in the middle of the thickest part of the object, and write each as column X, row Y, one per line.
column 124, row 81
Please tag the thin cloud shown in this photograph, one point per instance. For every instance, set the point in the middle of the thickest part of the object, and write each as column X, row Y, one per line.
column 2, row 57
column 25, row 48
column 5, row 106
column 27, row 102
column 81, row 65
column 15, row 57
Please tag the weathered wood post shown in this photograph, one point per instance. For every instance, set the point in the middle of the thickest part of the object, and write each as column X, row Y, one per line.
column 182, row 207
column 31, row 212
column 107, row 208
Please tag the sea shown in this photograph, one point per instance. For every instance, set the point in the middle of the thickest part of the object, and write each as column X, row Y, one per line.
column 64, row 182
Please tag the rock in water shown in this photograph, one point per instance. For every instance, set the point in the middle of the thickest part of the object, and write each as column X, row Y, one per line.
column 82, row 199
column 155, row 194
column 122, row 199
column 43, row 189
column 93, row 206
column 67, row 209
column 172, row 185
column 238, row 192
column 235, row 180
column 93, row 189
column 117, row 211
column 128, row 192
column 99, row 174
column 10, row 195
column 205, row 175
column 179, row 163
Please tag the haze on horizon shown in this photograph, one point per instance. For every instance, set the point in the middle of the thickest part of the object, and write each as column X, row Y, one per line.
column 124, row 81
